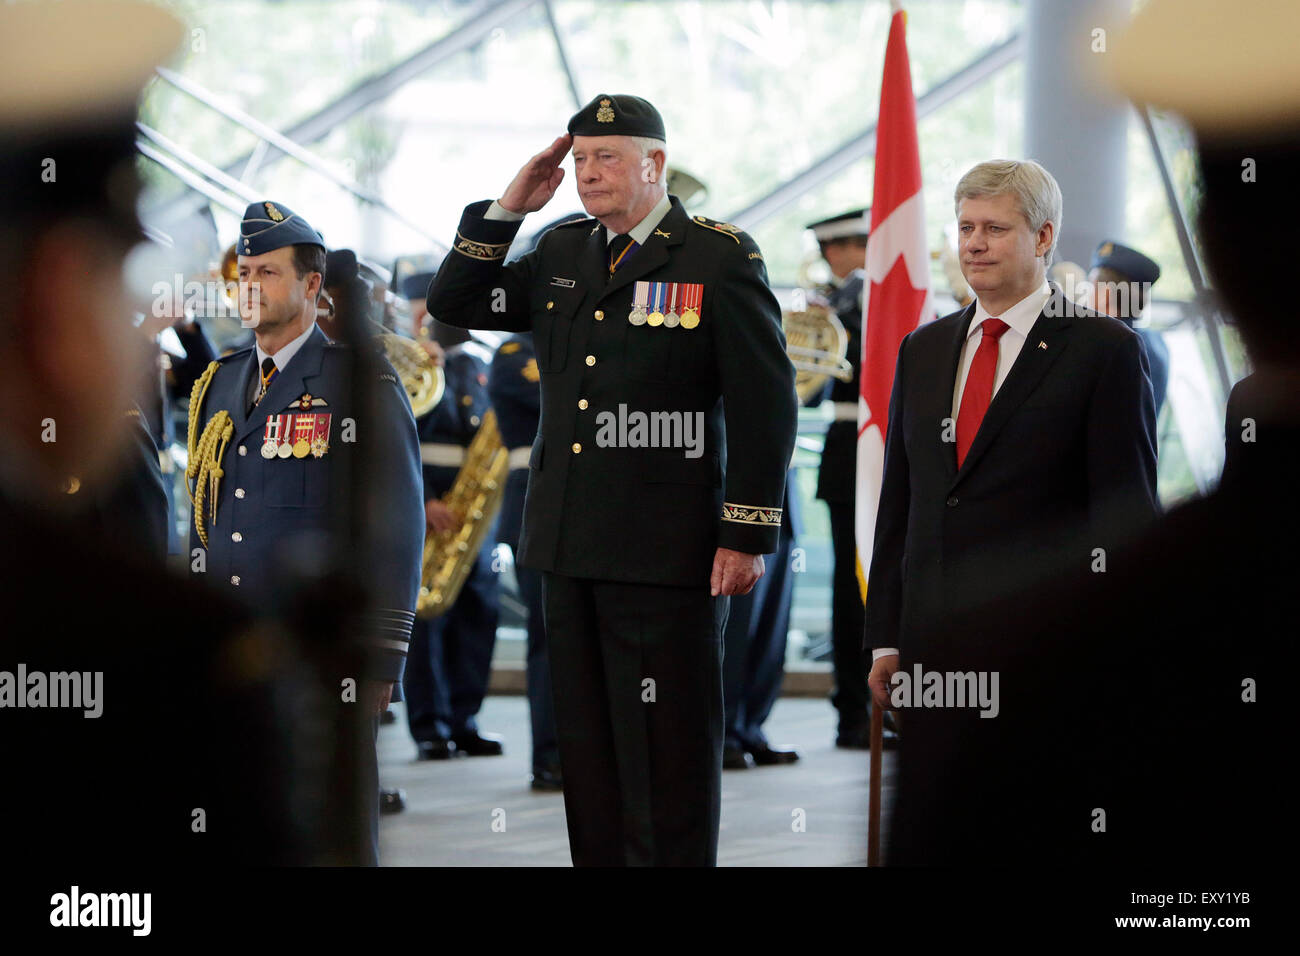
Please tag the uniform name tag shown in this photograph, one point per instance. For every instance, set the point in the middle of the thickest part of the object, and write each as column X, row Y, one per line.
column 563, row 283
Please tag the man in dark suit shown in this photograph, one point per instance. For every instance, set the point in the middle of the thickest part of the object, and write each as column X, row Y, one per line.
column 644, row 321
column 1021, row 432
column 1136, row 726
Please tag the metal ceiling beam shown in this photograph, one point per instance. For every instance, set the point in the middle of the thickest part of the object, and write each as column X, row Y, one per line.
column 864, row 143
column 479, row 22
column 563, row 53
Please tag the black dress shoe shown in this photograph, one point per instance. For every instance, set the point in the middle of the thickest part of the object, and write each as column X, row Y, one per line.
column 547, row 779
column 439, row 748
column 474, row 744
column 733, row 758
column 768, row 756
column 854, row 738
column 388, row 717
column 391, row 801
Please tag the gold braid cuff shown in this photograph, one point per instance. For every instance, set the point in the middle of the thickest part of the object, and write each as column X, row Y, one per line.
column 487, row 251
column 751, row 514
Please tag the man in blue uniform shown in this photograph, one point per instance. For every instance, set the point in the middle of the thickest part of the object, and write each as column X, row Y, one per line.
column 275, row 441
column 640, row 537
column 517, row 397
column 451, row 655
column 1121, row 280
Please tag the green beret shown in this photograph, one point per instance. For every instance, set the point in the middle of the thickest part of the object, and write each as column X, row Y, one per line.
column 618, row 115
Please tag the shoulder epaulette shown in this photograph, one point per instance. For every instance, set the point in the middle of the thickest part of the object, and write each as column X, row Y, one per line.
column 726, row 228
column 237, row 353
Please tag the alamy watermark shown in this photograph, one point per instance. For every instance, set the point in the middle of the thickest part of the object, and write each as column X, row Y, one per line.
column 651, row 430
column 77, row 690
column 946, row 689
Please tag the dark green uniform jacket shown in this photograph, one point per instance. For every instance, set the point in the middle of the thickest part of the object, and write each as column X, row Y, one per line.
column 651, row 515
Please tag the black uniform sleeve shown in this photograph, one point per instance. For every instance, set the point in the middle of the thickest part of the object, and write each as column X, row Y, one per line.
column 885, row 581
column 758, row 400
column 474, row 289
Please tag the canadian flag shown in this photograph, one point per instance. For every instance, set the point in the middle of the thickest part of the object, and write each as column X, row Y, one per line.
column 897, row 291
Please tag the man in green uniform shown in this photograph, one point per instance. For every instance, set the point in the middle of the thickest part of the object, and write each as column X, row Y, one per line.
column 656, row 481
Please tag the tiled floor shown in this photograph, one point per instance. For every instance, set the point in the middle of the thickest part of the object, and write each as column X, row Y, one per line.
column 480, row 811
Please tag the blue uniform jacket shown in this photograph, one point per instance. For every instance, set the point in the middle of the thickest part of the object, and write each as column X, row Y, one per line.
column 275, row 513
column 515, row 390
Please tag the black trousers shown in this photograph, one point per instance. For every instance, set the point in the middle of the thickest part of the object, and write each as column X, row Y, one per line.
column 637, row 679
column 847, row 624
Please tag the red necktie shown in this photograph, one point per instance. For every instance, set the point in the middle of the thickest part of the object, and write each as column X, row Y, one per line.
column 978, row 393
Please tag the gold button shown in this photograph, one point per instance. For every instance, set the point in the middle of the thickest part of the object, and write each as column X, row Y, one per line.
column 550, row 305
column 591, row 360
column 577, row 448
column 236, row 537
column 582, row 403
column 234, row 579
column 239, row 492
column 600, row 316
column 242, row 450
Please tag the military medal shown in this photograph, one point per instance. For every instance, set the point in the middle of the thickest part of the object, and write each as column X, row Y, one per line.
column 271, row 437
column 640, row 302
column 694, row 292
column 657, row 295
column 303, row 427
column 320, row 434
column 671, row 317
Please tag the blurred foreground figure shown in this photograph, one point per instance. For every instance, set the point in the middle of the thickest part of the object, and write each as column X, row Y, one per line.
column 161, row 736
column 1131, row 730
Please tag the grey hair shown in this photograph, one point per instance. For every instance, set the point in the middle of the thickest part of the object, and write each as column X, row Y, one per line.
column 1034, row 188
column 647, row 145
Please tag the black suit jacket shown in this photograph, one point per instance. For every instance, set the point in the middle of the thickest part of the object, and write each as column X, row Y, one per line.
column 1064, row 463
column 638, row 514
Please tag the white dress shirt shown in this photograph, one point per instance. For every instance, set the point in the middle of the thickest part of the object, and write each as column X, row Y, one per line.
column 639, row 233
column 1020, row 318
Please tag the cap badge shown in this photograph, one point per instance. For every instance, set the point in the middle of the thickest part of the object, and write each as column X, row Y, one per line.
column 274, row 213
column 604, row 114
column 1106, row 249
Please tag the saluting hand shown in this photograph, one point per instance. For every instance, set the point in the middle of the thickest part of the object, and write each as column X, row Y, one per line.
column 734, row 572
column 535, row 184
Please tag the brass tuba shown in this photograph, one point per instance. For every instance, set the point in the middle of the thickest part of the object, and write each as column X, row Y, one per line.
column 474, row 498
column 421, row 377
column 817, row 343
